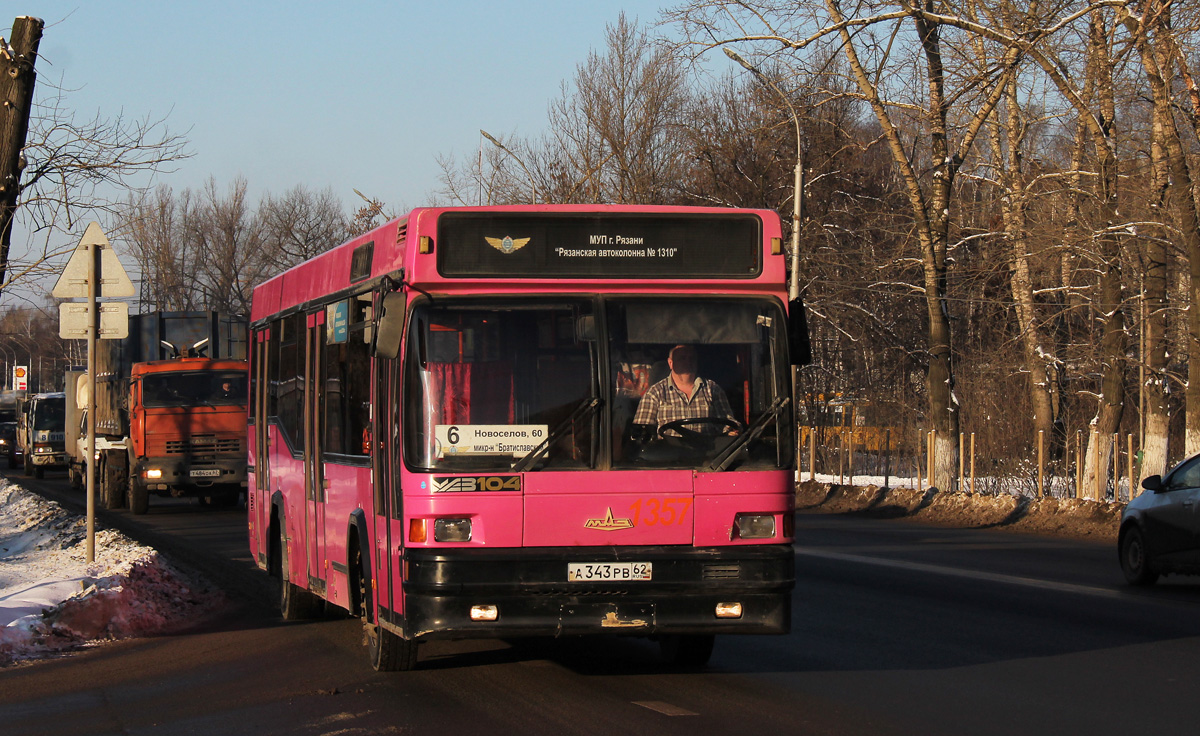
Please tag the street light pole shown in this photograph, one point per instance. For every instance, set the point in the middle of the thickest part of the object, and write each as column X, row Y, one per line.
column 498, row 144
column 798, row 195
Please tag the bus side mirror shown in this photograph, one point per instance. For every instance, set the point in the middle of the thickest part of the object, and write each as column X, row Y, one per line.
column 799, row 347
column 585, row 328
column 391, row 326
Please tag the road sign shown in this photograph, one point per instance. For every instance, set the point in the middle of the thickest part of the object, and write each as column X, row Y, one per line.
column 73, row 282
column 20, row 378
column 73, row 320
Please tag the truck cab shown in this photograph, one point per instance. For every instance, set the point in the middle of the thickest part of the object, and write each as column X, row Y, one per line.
column 41, row 433
column 187, row 429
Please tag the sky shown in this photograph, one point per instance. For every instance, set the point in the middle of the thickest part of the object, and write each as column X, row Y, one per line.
column 349, row 95
column 358, row 95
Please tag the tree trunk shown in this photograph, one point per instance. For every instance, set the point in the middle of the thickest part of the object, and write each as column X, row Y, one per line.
column 1113, row 343
column 16, row 89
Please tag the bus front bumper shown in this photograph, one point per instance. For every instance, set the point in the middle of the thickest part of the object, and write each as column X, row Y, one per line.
column 531, row 596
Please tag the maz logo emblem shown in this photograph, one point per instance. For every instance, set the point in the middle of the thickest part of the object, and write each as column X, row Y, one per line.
column 608, row 523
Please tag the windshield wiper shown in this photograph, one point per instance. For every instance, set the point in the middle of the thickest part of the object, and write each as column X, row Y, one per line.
column 584, row 409
column 729, row 454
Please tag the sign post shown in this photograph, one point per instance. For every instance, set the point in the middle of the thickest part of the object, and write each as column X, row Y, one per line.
column 93, row 271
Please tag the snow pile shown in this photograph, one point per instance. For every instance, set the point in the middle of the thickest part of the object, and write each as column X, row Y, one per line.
column 1072, row 517
column 51, row 599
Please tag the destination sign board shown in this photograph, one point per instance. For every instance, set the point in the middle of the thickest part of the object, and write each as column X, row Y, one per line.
column 619, row 245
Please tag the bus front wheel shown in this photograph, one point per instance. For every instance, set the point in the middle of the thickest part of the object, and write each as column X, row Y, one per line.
column 389, row 652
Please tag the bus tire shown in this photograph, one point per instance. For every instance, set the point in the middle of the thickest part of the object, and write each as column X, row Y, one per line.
column 386, row 650
column 687, row 650
column 389, row 652
column 295, row 603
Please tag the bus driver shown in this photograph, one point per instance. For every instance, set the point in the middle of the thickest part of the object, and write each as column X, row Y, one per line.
column 697, row 405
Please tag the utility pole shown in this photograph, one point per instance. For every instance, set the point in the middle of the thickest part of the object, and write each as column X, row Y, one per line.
column 17, row 57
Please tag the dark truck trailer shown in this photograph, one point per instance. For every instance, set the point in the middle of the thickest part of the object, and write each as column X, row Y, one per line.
column 191, row 429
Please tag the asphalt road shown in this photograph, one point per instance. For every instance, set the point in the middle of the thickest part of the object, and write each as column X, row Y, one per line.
column 897, row 629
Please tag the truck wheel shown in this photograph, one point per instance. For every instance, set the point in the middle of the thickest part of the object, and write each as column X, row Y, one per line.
column 76, row 478
column 112, row 484
column 39, row 472
column 139, row 497
column 27, row 466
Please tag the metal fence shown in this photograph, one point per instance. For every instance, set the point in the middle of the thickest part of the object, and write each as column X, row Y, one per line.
column 890, row 457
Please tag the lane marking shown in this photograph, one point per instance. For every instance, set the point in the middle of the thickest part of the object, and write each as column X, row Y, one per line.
column 665, row 708
column 992, row 577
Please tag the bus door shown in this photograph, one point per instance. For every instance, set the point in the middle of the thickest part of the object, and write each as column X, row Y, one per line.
column 386, row 484
column 314, row 478
column 259, row 494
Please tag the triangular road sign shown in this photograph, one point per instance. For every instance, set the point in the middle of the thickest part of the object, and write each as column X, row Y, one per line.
column 73, row 282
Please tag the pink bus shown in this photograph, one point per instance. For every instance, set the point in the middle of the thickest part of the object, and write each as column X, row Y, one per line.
column 545, row 420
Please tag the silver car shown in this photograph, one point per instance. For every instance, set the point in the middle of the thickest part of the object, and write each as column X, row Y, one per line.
column 1160, row 529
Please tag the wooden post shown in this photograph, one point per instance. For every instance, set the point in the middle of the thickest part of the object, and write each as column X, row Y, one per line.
column 972, row 463
column 1132, row 486
column 887, row 458
column 1116, row 455
column 961, row 460
column 1096, row 457
column 850, row 460
column 917, row 459
column 842, row 456
column 1041, row 463
column 812, row 454
column 1079, row 462
column 930, row 452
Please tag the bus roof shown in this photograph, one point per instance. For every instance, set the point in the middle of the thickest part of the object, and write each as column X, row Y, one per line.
column 564, row 247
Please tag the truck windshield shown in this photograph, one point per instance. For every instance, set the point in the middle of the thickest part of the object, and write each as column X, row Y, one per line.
column 49, row 413
column 194, row 388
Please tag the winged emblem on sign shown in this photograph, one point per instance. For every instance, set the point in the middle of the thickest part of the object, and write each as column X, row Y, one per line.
column 507, row 244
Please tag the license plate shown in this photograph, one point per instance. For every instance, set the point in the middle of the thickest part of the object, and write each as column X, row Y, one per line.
column 604, row 571
column 206, row 473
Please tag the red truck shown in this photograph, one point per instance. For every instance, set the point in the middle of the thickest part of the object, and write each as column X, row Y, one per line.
column 170, row 420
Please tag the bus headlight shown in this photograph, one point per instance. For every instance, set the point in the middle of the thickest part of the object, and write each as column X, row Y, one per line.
column 452, row 530
column 754, row 526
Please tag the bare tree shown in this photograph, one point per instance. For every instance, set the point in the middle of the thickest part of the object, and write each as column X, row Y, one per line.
column 79, row 169
column 300, row 225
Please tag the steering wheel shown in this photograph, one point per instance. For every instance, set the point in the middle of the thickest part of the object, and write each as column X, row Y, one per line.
column 691, row 435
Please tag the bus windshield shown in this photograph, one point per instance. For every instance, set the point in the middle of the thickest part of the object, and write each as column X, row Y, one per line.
column 698, row 383
column 515, row 383
column 194, row 388
column 490, row 380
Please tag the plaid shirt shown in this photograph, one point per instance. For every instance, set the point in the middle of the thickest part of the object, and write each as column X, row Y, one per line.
column 664, row 403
